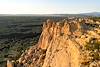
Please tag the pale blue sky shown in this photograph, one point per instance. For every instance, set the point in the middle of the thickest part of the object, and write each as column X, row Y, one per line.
column 48, row 6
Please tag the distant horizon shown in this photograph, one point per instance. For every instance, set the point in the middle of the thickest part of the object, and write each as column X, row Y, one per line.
column 49, row 6
column 49, row 13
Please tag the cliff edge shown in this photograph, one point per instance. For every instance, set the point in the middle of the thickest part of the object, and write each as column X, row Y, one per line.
column 61, row 44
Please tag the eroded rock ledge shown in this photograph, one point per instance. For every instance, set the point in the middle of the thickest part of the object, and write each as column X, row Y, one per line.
column 60, row 45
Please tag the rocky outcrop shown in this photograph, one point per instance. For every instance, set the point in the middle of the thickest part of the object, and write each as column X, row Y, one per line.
column 62, row 50
column 60, row 45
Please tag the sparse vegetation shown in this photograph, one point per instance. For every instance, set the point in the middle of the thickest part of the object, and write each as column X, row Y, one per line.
column 93, row 49
column 17, row 33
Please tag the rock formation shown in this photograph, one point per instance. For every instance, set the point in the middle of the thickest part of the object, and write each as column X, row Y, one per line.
column 62, row 50
column 60, row 45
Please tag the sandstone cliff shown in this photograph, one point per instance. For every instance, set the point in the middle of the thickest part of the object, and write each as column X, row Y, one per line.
column 60, row 45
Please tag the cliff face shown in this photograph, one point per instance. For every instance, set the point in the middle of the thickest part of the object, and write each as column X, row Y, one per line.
column 60, row 45
column 62, row 49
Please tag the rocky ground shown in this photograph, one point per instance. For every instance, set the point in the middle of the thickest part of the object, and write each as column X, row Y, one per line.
column 13, row 48
column 72, row 42
column 17, row 33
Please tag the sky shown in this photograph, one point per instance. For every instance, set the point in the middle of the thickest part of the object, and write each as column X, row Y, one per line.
column 48, row 6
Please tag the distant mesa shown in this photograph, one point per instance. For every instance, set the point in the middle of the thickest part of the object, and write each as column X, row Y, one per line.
column 97, row 14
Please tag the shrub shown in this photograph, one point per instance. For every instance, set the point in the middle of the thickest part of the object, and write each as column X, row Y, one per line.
column 93, row 46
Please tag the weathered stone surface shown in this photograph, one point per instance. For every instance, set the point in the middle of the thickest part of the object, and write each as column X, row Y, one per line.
column 61, row 51
column 60, row 45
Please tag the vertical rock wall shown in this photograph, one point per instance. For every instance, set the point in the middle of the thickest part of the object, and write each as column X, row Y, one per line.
column 62, row 50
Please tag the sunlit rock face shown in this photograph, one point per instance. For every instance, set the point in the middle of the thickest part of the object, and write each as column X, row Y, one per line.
column 62, row 50
column 60, row 45
column 52, row 30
